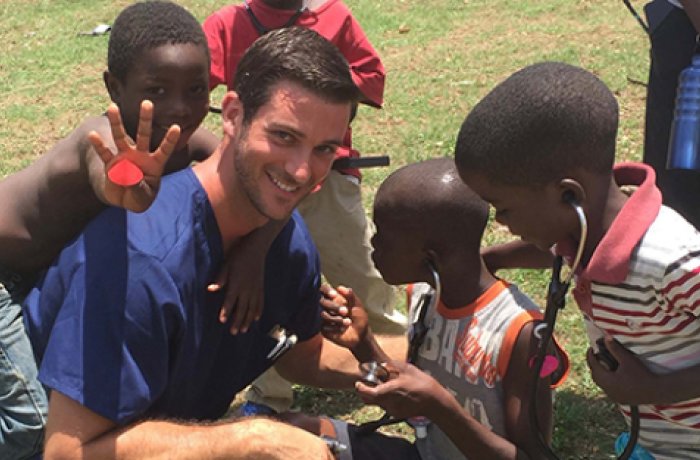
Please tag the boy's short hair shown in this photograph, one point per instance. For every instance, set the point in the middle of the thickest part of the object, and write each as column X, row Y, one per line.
column 294, row 54
column 147, row 25
column 429, row 198
column 539, row 125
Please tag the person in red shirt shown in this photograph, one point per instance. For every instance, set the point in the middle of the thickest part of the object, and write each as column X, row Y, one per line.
column 334, row 214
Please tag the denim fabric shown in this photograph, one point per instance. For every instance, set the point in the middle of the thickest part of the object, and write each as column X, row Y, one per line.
column 23, row 401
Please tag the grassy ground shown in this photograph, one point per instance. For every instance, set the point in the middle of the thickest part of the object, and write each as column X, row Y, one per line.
column 441, row 57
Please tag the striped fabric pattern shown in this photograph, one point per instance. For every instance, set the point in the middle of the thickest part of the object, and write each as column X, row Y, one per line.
column 654, row 313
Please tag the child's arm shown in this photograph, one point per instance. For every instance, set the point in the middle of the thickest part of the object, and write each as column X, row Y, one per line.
column 633, row 383
column 412, row 392
column 365, row 65
column 515, row 254
column 202, row 144
column 243, row 274
column 101, row 158
column 345, row 323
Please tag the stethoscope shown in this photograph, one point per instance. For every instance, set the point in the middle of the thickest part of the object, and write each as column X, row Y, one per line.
column 374, row 373
column 556, row 294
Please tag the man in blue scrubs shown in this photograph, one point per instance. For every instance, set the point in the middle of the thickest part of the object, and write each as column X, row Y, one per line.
column 125, row 333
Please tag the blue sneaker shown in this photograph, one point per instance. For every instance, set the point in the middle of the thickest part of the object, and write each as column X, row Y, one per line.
column 639, row 452
column 250, row 408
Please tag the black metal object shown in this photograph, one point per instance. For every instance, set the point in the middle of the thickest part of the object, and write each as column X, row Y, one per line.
column 361, row 162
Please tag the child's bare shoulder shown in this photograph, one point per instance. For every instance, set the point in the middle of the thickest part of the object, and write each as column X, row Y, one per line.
column 202, row 143
column 75, row 144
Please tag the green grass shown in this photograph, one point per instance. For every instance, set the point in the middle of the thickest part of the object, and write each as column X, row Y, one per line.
column 442, row 56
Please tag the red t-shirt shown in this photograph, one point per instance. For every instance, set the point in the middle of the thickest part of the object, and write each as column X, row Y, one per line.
column 230, row 31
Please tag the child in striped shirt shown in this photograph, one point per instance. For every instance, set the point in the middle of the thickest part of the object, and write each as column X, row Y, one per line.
column 537, row 143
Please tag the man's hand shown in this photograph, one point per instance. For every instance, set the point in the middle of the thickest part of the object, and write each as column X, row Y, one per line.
column 345, row 321
column 409, row 392
column 279, row 441
column 631, row 383
column 140, row 196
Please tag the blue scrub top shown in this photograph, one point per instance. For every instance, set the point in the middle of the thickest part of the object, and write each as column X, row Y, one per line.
column 123, row 323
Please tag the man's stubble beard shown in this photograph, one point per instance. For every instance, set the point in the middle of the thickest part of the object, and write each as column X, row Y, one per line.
column 249, row 185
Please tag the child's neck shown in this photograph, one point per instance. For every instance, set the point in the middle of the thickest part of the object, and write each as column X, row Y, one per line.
column 461, row 287
column 608, row 205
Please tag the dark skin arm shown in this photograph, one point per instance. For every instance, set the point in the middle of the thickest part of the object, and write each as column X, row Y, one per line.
column 345, row 323
column 243, row 275
column 633, row 383
column 415, row 393
column 515, row 254
column 331, row 360
column 49, row 202
column 692, row 9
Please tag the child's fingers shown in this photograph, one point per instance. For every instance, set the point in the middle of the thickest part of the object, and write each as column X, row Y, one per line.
column 100, row 147
column 326, row 289
column 367, row 393
column 239, row 317
column 615, row 348
column 144, row 131
column 333, row 308
column 330, row 319
column 121, row 139
column 167, row 145
column 249, row 314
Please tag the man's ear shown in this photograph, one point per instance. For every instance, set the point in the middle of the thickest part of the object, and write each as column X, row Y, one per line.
column 571, row 191
column 231, row 113
column 113, row 86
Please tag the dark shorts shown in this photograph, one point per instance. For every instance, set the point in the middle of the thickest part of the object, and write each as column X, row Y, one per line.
column 372, row 445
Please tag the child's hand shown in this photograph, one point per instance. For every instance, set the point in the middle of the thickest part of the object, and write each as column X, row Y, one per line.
column 631, row 383
column 344, row 317
column 140, row 196
column 243, row 274
column 409, row 392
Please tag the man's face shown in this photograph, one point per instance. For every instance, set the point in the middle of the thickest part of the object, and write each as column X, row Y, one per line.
column 536, row 215
column 287, row 148
column 176, row 79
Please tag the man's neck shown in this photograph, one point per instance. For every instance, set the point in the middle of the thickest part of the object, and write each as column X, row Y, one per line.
column 234, row 213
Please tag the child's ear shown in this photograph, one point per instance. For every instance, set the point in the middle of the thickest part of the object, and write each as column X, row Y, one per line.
column 572, row 192
column 113, row 86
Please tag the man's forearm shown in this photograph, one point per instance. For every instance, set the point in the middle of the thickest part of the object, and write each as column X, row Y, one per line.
column 244, row 439
column 320, row 363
